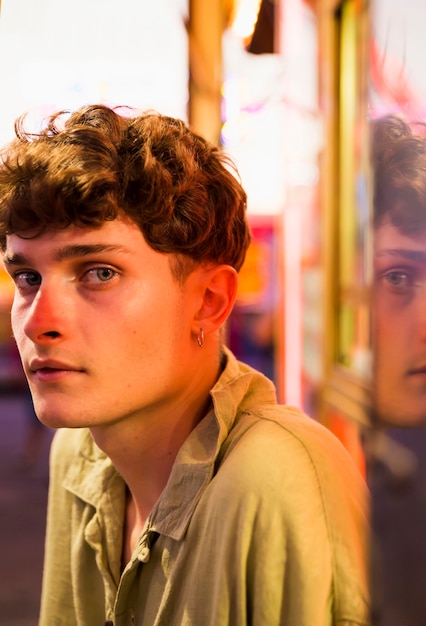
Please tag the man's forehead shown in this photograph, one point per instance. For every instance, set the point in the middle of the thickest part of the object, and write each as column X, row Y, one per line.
column 391, row 241
column 73, row 242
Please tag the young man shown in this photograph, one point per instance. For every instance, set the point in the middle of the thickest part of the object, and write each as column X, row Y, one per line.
column 397, row 476
column 399, row 294
column 181, row 493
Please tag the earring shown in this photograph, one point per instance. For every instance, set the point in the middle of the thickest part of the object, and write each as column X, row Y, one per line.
column 200, row 338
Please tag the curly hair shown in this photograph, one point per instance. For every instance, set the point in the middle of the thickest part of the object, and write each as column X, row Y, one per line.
column 399, row 168
column 96, row 165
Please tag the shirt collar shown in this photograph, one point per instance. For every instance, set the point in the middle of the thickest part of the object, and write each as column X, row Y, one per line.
column 237, row 388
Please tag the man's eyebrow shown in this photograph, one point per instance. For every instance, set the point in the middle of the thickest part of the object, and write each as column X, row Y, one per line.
column 412, row 255
column 72, row 251
column 67, row 252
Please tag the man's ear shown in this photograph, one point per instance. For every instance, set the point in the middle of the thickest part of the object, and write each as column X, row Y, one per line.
column 219, row 292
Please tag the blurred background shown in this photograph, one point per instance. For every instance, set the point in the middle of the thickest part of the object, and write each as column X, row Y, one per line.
column 288, row 88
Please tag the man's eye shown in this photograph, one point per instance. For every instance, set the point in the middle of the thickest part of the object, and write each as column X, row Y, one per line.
column 398, row 280
column 24, row 280
column 98, row 275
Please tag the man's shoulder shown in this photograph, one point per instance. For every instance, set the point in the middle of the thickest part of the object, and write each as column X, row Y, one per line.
column 277, row 425
column 284, row 443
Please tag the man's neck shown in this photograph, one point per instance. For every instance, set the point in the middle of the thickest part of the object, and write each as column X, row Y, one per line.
column 144, row 456
column 143, row 446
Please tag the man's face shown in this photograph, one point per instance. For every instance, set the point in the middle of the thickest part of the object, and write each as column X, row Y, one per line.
column 103, row 329
column 399, row 323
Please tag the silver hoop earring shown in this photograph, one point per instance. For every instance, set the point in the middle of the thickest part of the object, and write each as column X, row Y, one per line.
column 200, row 338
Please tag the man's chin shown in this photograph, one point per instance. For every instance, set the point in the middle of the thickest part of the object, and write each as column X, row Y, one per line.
column 55, row 423
column 403, row 415
column 55, row 418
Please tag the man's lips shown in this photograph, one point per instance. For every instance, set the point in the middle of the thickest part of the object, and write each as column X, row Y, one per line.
column 51, row 365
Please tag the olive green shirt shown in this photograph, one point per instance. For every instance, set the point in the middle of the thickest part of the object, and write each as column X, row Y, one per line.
column 263, row 522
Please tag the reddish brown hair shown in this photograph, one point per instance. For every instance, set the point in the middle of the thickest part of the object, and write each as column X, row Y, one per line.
column 96, row 165
column 399, row 169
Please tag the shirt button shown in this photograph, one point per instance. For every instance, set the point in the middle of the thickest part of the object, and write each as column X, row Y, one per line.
column 144, row 555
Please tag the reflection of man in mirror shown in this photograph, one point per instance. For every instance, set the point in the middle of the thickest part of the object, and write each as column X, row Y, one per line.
column 399, row 165
column 397, row 471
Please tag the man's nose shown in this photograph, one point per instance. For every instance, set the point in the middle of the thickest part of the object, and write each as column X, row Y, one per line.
column 45, row 317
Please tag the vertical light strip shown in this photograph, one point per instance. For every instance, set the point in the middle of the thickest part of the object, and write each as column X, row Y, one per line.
column 292, row 238
column 245, row 18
